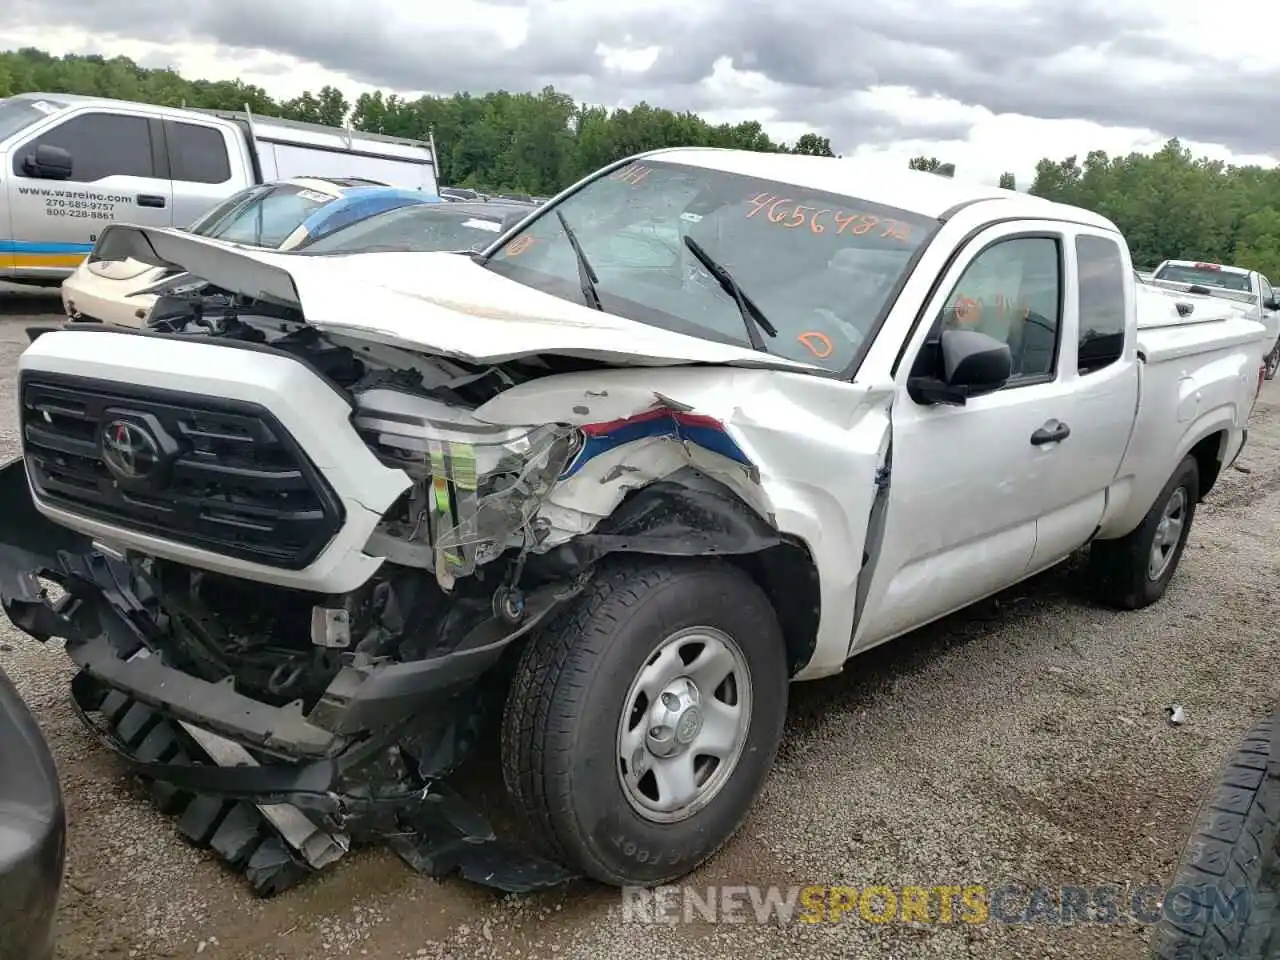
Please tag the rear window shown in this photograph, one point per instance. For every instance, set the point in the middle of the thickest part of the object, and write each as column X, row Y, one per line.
column 418, row 229
column 197, row 154
column 821, row 267
column 1205, row 277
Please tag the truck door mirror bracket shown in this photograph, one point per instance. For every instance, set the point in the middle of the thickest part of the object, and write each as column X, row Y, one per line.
column 969, row 364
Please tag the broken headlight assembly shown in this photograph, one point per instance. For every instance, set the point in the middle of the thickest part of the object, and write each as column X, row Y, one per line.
column 476, row 487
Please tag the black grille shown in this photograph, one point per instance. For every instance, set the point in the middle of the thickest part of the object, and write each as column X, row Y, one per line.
column 231, row 479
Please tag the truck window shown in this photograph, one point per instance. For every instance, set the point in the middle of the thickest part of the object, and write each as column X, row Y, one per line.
column 197, row 154
column 1206, row 275
column 1265, row 288
column 100, row 144
column 1101, row 302
column 1013, row 291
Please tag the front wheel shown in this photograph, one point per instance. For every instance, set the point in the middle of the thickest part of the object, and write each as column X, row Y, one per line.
column 1135, row 570
column 641, row 725
column 1271, row 362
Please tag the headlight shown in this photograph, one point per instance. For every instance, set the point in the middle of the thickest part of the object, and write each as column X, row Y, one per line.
column 477, row 487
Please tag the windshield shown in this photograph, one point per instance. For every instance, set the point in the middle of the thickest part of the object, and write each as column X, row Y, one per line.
column 17, row 115
column 1205, row 277
column 261, row 216
column 419, row 229
column 821, row 268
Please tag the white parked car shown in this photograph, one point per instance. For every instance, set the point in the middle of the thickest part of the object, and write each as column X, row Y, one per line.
column 708, row 423
column 112, row 286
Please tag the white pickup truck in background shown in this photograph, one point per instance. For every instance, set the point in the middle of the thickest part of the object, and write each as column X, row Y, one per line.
column 1248, row 290
column 69, row 165
column 710, row 422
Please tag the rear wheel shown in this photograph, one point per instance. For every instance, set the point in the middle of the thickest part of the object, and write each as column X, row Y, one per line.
column 1224, row 902
column 1135, row 570
column 641, row 725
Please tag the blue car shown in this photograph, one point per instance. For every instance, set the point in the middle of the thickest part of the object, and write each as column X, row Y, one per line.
column 112, row 286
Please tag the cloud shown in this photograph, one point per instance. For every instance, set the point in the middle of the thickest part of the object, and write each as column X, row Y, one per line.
column 993, row 84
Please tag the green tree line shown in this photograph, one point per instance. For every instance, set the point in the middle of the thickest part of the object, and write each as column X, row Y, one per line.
column 1169, row 204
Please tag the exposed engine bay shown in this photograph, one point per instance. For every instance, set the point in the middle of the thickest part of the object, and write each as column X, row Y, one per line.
column 283, row 724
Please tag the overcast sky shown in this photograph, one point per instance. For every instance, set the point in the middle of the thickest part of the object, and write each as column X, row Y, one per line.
column 992, row 85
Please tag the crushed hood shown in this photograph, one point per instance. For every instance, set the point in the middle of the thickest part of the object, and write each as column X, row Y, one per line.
column 443, row 303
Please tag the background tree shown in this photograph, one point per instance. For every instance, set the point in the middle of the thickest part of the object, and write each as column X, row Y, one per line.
column 1168, row 204
column 1008, row 182
column 814, row 145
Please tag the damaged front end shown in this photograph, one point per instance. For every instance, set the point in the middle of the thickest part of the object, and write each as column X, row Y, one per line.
column 295, row 633
column 274, row 749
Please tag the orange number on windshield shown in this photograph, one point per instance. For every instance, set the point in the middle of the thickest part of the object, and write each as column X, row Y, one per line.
column 844, row 219
column 819, row 344
column 776, row 215
column 519, row 245
column 799, row 217
column 630, row 175
column 759, row 202
column 777, row 210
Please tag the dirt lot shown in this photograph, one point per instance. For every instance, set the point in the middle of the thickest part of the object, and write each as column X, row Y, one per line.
column 1025, row 740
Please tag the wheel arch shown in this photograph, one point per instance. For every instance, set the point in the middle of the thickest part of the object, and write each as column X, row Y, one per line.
column 1209, row 453
column 691, row 514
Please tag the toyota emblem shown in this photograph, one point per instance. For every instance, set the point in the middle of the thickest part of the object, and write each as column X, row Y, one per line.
column 129, row 450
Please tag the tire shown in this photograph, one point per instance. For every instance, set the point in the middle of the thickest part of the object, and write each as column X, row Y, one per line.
column 562, row 728
column 1271, row 362
column 1121, row 569
column 1231, row 861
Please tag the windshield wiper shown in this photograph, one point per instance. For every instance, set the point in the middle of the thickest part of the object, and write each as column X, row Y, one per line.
column 587, row 278
column 752, row 317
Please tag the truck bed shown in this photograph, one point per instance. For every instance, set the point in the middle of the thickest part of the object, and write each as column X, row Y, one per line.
column 1204, row 369
column 1166, row 332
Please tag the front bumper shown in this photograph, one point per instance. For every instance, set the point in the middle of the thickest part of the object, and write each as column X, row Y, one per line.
column 329, row 765
column 32, row 833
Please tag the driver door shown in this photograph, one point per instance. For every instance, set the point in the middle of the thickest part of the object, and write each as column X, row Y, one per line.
column 967, row 483
column 116, row 175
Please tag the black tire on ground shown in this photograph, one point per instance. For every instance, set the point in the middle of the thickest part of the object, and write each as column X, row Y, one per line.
column 1272, row 362
column 1119, row 568
column 1224, row 901
column 560, row 728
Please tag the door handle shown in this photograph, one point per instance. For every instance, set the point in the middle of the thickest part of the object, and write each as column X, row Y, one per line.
column 150, row 200
column 1054, row 431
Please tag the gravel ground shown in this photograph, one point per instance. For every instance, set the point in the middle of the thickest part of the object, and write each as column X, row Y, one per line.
column 1023, row 740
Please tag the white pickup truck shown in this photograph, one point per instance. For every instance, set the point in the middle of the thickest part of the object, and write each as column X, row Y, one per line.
column 711, row 422
column 1247, row 290
column 70, row 165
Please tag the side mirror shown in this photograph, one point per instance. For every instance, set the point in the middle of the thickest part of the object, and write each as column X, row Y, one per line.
column 969, row 364
column 48, row 163
column 1272, row 304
